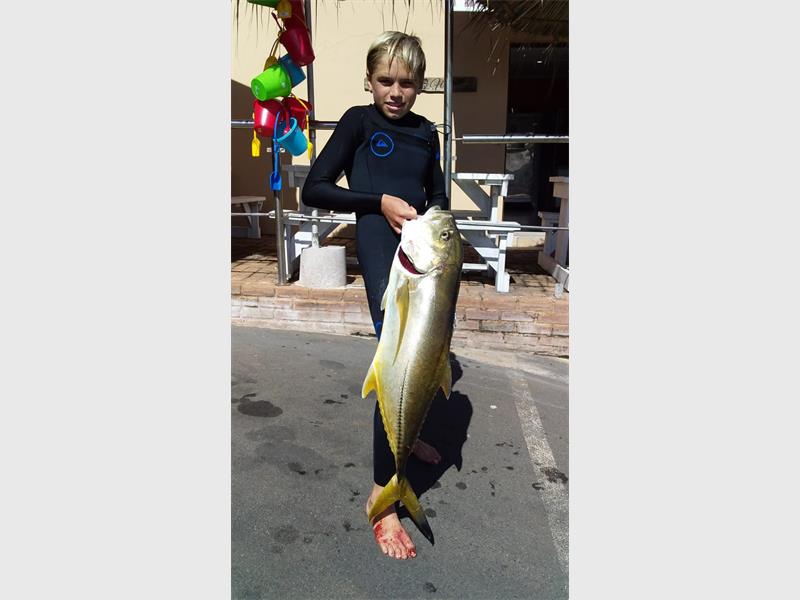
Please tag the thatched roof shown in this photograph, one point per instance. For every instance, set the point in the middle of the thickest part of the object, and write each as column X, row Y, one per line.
column 549, row 18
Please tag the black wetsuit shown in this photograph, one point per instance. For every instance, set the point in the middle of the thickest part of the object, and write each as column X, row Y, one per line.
column 378, row 156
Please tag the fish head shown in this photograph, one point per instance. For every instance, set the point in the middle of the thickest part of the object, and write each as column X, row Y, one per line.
column 430, row 243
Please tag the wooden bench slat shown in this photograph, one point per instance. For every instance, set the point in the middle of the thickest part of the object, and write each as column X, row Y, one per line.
column 246, row 199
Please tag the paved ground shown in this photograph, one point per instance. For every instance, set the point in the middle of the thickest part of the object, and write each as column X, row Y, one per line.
column 301, row 470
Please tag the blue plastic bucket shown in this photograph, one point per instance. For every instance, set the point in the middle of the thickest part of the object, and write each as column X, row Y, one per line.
column 295, row 73
column 293, row 140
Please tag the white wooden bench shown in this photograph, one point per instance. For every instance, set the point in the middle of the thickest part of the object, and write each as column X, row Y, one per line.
column 549, row 219
column 487, row 234
column 490, row 241
column 251, row 204
column 554, row 258
column 476, row 232
column 490, row 205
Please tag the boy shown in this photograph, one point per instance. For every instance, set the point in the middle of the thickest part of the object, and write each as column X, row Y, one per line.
column 391, row 159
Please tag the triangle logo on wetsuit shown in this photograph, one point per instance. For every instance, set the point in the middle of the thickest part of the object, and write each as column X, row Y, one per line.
column 381, row 144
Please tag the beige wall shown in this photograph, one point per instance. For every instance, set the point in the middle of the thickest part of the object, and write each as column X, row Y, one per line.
column 342, row 33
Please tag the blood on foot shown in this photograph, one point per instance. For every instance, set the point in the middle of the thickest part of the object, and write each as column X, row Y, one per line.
column 386, row 539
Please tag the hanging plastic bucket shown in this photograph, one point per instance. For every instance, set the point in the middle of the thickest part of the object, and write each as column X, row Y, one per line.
column 294, row 141
column 273, row 82
column 297, row 43
column 298, row 11
column 298, row 109
column 298, row 18
column 264, row 114
column 295, row 73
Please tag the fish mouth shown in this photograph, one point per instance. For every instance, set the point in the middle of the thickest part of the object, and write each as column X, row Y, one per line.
column 406, row 262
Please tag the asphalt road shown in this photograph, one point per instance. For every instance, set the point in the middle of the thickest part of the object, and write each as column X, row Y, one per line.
column 302, row 468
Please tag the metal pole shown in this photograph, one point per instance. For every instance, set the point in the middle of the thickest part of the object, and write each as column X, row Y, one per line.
column 279, row 237
column 312, row 124
column 448, row 95
column 463, row 224
column 312, row 134
column 471, row 138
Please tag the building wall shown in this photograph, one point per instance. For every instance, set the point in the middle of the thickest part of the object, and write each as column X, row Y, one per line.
column 341, row 34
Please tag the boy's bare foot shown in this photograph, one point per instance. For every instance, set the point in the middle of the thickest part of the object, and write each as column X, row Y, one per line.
column 389, row 532
column 426, row 453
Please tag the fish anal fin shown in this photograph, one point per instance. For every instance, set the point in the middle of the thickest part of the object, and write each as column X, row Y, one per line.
column 371, row 382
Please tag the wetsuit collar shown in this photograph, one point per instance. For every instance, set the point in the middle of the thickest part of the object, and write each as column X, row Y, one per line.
column 407, row 119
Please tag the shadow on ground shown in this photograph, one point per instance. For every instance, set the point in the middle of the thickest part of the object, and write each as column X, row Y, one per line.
column 446, row 429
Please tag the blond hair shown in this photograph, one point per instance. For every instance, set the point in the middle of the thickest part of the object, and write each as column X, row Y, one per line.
column 394, row 44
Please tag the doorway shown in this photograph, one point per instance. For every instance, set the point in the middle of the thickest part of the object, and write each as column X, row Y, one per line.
column 538, row 103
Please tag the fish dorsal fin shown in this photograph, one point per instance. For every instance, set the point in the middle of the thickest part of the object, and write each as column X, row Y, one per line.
column 446, row 380
column 401, row 300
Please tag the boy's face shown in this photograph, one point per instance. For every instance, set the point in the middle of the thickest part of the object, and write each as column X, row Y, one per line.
column 393, row 88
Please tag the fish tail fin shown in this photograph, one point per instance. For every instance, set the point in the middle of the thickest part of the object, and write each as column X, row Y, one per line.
column 410, row 501
column 401, row 490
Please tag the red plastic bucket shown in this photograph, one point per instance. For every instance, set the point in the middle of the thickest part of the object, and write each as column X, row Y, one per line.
column 264, row 114
column 298, row 10
column 298, row 109
column 297, row 42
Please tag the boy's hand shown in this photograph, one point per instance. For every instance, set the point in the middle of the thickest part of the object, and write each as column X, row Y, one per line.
column 397, row 211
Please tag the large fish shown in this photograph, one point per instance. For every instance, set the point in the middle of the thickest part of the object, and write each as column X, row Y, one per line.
column 412, row 360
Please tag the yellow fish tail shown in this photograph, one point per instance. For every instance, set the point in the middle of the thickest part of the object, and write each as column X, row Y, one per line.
column 400, row 489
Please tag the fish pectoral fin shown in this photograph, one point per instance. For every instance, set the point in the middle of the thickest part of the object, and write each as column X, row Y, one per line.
column 446, row 379
column 370, row 382
column 401, row 300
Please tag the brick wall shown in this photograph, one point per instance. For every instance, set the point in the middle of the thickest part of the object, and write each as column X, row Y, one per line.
column 516, row 321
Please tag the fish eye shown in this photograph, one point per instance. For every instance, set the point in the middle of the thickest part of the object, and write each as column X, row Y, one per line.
column 446, row 234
